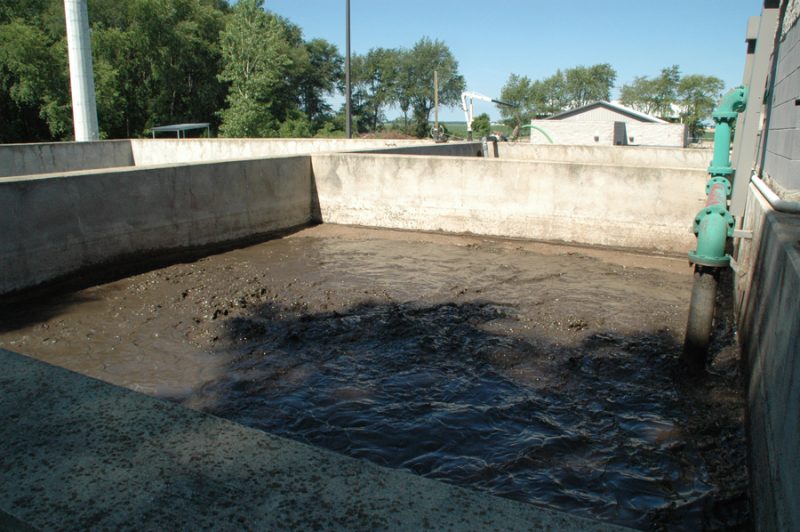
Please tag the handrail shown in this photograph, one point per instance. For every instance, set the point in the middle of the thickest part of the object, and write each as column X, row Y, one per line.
column 774, row 200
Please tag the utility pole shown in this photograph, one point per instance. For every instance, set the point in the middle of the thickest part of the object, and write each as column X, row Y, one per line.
column 81, row 75
column 349, row 91
column 435, row 105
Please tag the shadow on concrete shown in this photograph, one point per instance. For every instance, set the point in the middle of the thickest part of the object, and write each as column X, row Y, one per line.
column 35, row 305
column 608, row 428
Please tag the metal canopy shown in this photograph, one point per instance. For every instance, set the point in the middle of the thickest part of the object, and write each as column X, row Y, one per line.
column 181, row 129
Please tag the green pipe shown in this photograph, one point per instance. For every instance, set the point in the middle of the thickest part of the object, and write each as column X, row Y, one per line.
column 725, row 115
column 721, row 163
column 713, row 226
column 540, row 130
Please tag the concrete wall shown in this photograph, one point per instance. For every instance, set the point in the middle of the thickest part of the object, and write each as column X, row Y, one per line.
column 168, row 151
column 646, row 208
column 601, row 133
column 55, row 225
column 769, row 333
column 622, row 155
column 28, row 159
column 782, row 151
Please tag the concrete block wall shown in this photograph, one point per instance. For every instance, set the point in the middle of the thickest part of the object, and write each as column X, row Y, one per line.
column 782, row 150
column 644, row 156
column 767, row 302
column 574, row 133
column 591, row 133
column 50, row 157
column 646, row 134
column 56, row 225
column 634, row 207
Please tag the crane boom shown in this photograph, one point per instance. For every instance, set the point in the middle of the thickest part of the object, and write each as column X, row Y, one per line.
column 468, row 107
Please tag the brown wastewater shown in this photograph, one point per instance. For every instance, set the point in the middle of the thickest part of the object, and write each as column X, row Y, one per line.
column 542, row 373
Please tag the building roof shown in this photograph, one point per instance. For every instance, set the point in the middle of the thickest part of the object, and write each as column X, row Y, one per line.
column 621, row 109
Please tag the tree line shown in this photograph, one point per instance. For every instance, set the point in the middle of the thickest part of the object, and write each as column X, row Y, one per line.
column 669, row 95
column 247, row 71
column 251, row 73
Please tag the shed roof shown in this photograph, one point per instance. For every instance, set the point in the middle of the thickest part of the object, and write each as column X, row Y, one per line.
column 621, row 109
column 181, row 127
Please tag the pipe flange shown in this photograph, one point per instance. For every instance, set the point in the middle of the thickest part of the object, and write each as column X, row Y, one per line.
column 713, row 262
column 718, row 210
column 721, row 180
column 721, row 171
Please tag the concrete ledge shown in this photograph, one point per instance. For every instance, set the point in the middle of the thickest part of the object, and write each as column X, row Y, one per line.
column 56, row 225
column 644, row 156
column 50, row 157
column 621, row 206
column 82, row 454
column 169, row 151
column 449, row 149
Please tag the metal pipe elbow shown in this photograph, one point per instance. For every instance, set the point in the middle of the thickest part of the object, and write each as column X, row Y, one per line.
column 733, row 103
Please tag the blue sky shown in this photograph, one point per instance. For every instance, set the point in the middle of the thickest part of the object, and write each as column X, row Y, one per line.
column 491, row 40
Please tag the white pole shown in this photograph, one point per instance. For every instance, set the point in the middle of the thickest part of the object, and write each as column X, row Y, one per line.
column 84, row 107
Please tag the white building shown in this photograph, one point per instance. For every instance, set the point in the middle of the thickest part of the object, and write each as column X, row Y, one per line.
column 605, row 123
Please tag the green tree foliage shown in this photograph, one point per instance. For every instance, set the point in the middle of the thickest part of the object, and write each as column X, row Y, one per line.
column 653, row 95
column 255, row 56
column 320, row 77
column 694, row 94
column 33, row 82
column 481, row 125
column 404, row 77
column 563, row 90
column 278, row 83
column 584, row 85
column 425, row 57
column 374, row 77
column 155, row 62
column 697, row 96
column 524, row 97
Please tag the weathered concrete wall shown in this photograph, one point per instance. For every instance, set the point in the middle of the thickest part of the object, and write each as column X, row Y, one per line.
column 621, row 155
column 782, row 151
column 597, row 133
column 55, row 225
column 647, row 208
column 29, row 159
column 168, row 151
column 769, row 333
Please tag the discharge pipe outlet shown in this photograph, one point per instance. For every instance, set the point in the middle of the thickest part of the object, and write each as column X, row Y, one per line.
column 713, row 226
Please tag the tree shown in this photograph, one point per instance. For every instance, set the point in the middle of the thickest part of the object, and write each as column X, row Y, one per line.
column 481, row 125
column 697, row 95
column 518, row 91
column 425, row 57
column 584, row 85
column 555, row 97
column 33, row 85
column 319, row 77
column 255, row 56
column 638, row 95
column 375, row 77
column 653, row 95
